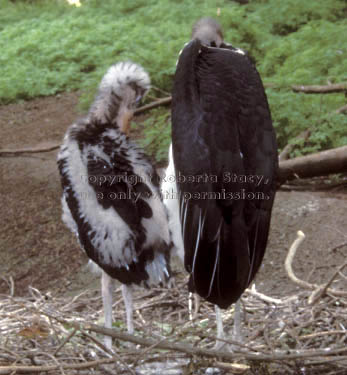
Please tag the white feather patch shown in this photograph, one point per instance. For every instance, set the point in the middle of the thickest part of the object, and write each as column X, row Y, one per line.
column 171, row 201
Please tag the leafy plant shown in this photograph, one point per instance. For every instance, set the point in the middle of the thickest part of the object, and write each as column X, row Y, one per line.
column 49, row 47
column 157, row 134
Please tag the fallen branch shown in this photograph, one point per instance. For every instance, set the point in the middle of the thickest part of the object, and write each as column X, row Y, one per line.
column 318, row 164
column 316, row 89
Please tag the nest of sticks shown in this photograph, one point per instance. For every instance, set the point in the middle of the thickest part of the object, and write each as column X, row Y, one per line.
column 303, row 333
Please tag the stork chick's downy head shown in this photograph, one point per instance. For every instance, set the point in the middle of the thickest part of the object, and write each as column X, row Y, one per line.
column 120, row 91
column 208, row 31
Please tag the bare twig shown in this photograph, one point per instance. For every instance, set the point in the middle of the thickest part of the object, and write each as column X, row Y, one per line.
column 158, row 89
column 66, row 340
column 252, row 291
column 100, row 345
column 302, row 283
column 30, row 150
column 338, row 246
column 234, row 368
column 322, row 289
column 157, row 103
column 316, row 89
column 326, row 333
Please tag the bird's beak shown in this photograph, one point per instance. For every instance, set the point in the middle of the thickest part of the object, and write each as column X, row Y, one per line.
column 125, row 121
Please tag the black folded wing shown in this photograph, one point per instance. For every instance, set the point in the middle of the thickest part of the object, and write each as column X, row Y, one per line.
column 225, row 157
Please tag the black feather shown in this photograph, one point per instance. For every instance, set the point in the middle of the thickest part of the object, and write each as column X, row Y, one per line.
column 222, row 126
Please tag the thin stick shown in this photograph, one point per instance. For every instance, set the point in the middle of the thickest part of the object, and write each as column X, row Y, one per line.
column 100, row 345
column 60, row 366
column 317, row 294
column 326, row 333
column 157, row 103
column 253, row 292
column 29, row 150
column 160, row 90
column 66, row 340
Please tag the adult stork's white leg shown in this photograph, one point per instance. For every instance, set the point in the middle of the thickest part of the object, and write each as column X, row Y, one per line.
column 220, row 330
column 107, row 286
column 237, row 335
column 127, row 292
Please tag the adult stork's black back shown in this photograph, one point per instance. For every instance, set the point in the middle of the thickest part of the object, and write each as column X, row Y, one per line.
column 225, row 156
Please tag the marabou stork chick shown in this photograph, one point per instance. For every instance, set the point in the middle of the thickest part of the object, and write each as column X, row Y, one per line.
column 111, row 197
column 224, row 157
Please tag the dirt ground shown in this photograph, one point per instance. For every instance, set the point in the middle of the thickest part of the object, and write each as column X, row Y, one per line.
column 38, row 250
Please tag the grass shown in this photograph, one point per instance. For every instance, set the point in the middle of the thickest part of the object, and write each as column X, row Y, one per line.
column 49, row 47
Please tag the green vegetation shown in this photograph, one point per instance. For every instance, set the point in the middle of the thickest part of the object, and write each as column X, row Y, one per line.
column 49, row 47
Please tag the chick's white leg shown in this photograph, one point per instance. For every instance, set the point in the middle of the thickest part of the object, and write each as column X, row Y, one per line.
column 128, row 301
column 107, row 285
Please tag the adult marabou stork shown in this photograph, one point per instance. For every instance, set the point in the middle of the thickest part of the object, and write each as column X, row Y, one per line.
column 225, row 161
column 111, row 191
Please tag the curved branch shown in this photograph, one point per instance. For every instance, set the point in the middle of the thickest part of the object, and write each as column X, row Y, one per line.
column 289, row 261
column 318, row 290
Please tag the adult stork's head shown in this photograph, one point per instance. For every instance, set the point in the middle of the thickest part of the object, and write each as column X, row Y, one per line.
column 208, row 31
column 120, row 92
